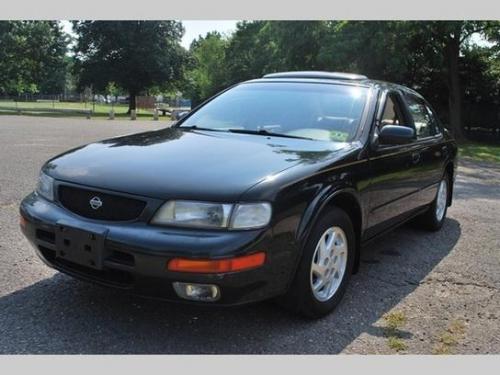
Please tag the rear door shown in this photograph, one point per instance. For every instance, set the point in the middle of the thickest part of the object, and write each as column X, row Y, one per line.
column 429, row 148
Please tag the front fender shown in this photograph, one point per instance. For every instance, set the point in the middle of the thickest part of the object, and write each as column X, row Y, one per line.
column 322, row 200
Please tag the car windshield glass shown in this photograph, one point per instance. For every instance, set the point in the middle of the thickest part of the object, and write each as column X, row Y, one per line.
column 310, row 110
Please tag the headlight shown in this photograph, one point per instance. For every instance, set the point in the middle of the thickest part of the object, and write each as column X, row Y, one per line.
column 251, row 215
column 193, row 214
column 45, row 186
column 213, row 215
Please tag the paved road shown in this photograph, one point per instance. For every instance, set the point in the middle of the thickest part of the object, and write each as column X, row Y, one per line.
column 446, row 284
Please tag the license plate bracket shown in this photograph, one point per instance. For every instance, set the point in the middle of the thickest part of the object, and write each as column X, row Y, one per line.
column 80, row 246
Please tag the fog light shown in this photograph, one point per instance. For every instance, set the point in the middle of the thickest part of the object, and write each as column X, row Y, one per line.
column 197, row 292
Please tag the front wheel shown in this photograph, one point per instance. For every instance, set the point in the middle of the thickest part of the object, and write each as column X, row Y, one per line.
column 325, row 268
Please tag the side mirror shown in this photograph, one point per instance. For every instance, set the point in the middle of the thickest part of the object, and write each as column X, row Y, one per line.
column 395, row 135
column 181, row 115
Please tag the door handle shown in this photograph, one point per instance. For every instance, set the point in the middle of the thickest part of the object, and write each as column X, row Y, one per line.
column 444, row 149
column 415, row 157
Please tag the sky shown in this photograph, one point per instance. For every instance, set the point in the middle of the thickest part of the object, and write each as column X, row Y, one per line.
column 192, row 29
column 196, row 28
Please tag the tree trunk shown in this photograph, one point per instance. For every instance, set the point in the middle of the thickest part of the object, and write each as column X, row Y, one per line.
column 452, row 50
column 131, row 102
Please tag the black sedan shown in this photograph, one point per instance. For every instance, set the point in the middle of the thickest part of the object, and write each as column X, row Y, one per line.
column 269, row 189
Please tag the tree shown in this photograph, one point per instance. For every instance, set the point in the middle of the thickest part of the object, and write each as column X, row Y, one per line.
column 112, row 89
column 208, row 73
column 378, row 49
column 297, row 44
column 480, row 72
column 136, row 55
column 425, row 55
column 250, row 52
column 32, row 57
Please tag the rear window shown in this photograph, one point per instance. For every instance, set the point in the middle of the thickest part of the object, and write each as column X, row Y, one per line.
column 318, row 111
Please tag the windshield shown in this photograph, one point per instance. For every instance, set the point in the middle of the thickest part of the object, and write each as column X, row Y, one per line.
column 310, row 110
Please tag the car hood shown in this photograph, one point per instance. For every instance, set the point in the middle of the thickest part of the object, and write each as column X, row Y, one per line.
column 186, row 164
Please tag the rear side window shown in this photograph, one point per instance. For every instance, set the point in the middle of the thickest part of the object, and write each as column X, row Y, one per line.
column 434, row 119
column 425, row 123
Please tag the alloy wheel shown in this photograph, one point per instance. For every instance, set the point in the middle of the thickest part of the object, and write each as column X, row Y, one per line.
column 329, row 263
column 441, row 200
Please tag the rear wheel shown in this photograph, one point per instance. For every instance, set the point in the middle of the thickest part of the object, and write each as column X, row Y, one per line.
column 325, row 268
column 434, row 217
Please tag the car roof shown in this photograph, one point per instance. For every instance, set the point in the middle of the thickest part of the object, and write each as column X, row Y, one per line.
column 331, row 78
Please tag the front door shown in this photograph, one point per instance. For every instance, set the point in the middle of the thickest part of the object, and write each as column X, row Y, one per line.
column 392, row 189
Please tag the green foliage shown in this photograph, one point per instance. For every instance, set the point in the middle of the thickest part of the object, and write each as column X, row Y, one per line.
column 112, row 89
column 396, row 344
column 256, row 48
column 436, row 58
column 480, row 70
column 137, row 55
column 250, row 52
column 297, row 45
column 32, row 57
column 394, row 321
column 450, row 338
column 367, row 47
column 208, row 74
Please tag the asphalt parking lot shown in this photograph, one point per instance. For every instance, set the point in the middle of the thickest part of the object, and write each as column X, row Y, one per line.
column 416, row 292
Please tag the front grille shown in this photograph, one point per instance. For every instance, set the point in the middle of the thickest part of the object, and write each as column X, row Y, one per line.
column 114, row 207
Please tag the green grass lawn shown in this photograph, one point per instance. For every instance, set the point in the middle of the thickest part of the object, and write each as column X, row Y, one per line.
column 99, row 110
column 480, row 151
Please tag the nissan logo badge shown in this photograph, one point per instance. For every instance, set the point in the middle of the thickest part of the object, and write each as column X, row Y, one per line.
column 95, row 203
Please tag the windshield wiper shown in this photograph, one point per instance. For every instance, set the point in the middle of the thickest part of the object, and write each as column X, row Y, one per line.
column 245, row 131
column 196, row 127
column 266, row 133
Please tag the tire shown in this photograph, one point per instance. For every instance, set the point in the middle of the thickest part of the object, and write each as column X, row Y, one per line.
column 434, row 217
column 334, row 226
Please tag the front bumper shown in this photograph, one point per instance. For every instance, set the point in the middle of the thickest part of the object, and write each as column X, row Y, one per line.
column 135, row 254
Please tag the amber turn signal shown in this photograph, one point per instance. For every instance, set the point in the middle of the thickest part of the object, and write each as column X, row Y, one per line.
column 22, row 221
column 245, row 262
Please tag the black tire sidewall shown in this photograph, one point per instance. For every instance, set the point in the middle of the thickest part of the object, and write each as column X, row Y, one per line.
column 436, row 224
column 307, row 304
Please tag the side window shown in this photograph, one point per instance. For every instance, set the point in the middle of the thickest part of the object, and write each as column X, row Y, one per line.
column 434, row 120
column 392, row 112
column 425, row 123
